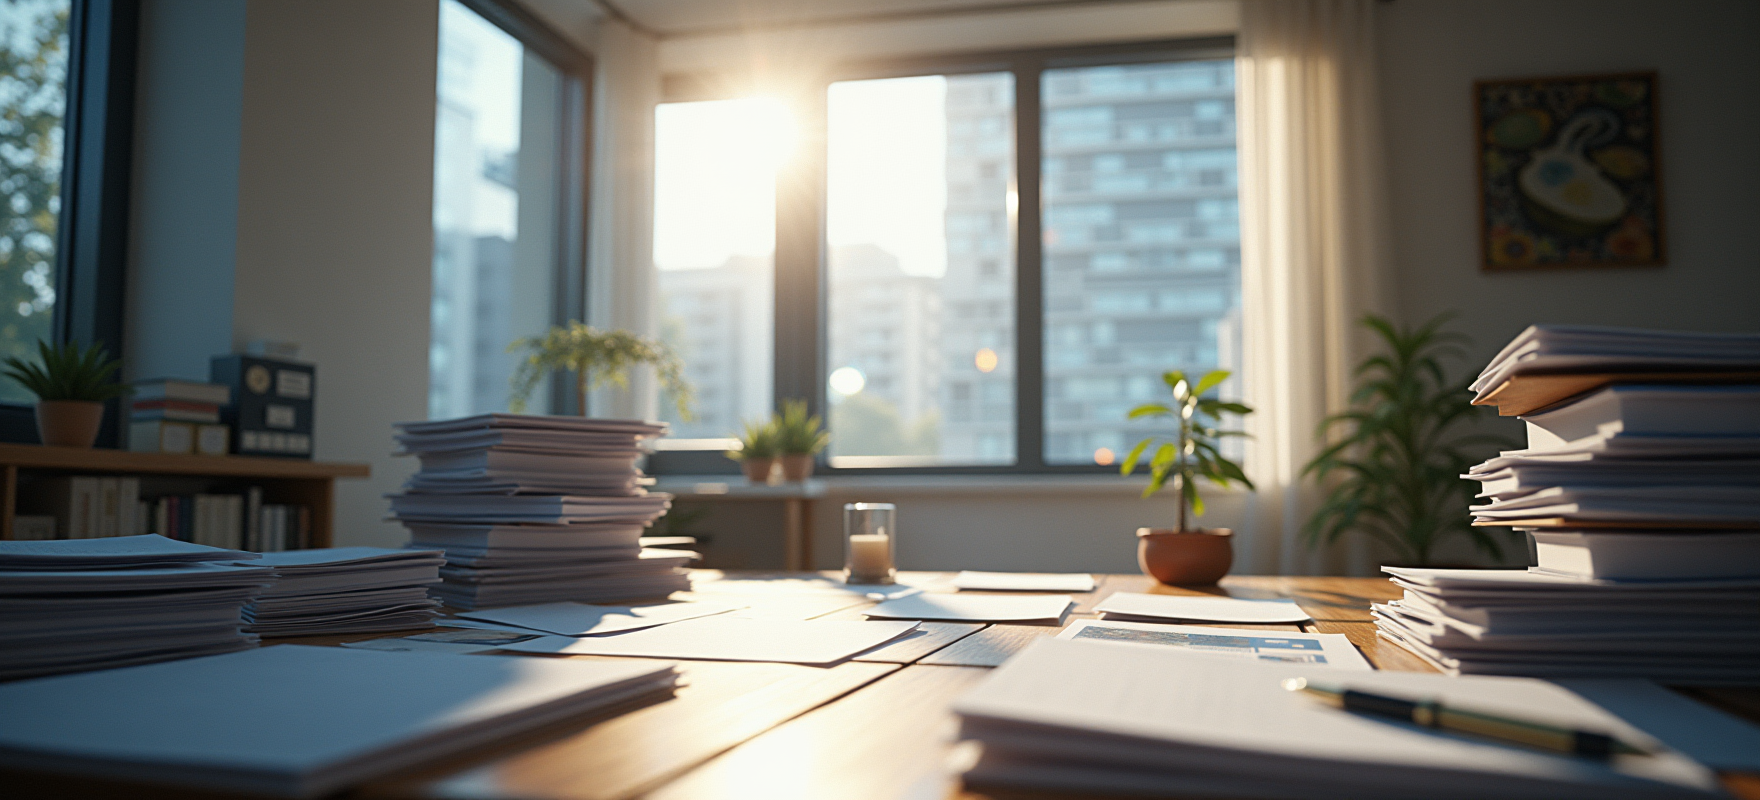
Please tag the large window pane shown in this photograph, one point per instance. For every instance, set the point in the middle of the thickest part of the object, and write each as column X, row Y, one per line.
column 496, row 211
column 33, row 99
column 1142, row 244
column 921, row 295
column 715, row 168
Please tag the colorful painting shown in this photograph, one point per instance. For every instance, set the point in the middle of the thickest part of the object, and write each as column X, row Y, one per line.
column 1568, row 174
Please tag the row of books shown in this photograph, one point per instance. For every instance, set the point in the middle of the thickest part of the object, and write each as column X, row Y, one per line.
column 1640, row 487
column 233, row 521
column 93, row 507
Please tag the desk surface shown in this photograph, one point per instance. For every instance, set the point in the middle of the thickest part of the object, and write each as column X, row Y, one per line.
column 873, row 728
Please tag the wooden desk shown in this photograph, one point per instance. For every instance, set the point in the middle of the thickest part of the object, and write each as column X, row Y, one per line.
column 797, row 507
column 873, row 728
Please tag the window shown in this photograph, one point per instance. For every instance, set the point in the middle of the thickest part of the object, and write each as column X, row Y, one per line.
column 66, row 107
column 506, row 249
column 1013, row 249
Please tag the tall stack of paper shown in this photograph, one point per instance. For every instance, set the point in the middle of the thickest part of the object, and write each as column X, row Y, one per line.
column 1104, row 717
column 82, row 604
column 1643, row 500
column 346, row 590
column 299, row 721
column 534, row 509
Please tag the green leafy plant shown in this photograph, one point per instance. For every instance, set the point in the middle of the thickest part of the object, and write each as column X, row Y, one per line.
column 758, row 440
column 797, row 433
column 1393, row 465
column 67, row 372
column 1194, row 451
column 597, row 358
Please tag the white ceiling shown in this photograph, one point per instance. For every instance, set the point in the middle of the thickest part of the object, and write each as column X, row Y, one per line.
column 687, row 17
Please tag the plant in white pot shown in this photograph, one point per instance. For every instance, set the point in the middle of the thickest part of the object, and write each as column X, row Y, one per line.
column 1187, row 555
column 71, row 385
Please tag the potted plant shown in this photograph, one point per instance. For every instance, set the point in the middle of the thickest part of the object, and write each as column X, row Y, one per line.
column 799, row 437
column 1186, row 555
column 597, row 358
column 757, row 451
column 71, row 386
column 1393, row 467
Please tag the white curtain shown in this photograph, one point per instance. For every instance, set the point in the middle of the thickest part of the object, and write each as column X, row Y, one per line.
column 1314, row 251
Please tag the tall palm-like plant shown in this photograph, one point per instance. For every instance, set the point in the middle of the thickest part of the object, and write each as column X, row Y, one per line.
column 597, row 358
column 1394, row 463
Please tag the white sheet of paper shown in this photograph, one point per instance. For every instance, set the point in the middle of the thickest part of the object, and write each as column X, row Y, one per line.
column 723, row 638
column 974, row 607
column 1327, row 649
column 1716, row 739
column 1137, row 606
column 1024, row 581
column 580, row 619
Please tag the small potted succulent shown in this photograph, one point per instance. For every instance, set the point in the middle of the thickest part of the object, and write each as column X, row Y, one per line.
column 757, row 451
column 71, row 385
column 1186, row 555
column 799, row 437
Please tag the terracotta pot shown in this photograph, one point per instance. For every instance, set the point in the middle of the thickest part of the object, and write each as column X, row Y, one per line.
column 1193, row 558
column 69, row 423
column 796, row 467
column 758, row 470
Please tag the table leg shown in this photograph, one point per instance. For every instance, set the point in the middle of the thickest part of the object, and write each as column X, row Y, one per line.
column 793, row 534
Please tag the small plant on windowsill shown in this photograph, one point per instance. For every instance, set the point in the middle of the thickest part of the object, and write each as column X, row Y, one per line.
column 757, row 451
column 597, row 358
column 1184, row 555
column 71, row 385
column 799, row 437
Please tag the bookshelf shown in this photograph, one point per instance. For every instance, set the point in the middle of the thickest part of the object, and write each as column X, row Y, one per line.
column 309, row 483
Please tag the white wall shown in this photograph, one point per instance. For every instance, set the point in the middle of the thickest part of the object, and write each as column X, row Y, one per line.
column 1707, row 54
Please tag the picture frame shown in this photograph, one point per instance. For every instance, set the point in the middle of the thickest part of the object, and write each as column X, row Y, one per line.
column 1569, row 172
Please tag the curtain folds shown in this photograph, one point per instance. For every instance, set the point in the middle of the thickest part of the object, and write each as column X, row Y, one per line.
column 1314, row 252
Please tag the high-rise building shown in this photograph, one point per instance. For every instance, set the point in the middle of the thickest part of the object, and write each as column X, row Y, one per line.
column 718, row 322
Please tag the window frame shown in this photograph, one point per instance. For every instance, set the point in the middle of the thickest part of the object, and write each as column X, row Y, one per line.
column 569, row 285
column 91, row 237
column 801, row 254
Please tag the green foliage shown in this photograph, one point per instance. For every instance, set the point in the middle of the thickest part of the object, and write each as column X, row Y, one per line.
column 33, row 71
column 1194, row 451
column 797, row 433
column 759, row 440
column 68, row 373
column 1394, row 462
column 597, row 358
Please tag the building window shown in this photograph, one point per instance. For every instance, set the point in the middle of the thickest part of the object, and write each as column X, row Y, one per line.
column 506, row 247
column 1011, row 256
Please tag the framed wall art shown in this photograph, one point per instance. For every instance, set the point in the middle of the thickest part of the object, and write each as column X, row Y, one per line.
column 1568, row 172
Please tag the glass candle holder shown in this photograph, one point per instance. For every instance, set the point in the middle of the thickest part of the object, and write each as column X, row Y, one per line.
column 869, row 536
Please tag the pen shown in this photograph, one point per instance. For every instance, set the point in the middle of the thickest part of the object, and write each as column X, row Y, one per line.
column 1432, row 713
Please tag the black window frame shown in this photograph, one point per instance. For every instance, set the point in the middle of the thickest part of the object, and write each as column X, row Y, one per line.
column 574, row 112
column 91, row 242
column 801, row 258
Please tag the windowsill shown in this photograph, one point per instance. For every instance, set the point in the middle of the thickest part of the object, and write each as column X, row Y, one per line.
column 733, row 487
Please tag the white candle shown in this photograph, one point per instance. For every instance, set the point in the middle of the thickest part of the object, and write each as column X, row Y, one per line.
column 870, row 557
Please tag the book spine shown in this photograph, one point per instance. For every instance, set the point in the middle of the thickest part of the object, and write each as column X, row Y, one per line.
column 84, row 510
column 128, row 501
column 253, row 519
column 305, row 528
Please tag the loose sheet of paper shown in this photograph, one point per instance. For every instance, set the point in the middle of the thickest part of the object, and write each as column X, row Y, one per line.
column 580, row 619
column 1136, row 606
column 472, row 641
column 974, row 608
column 1328, row 649
column 723, row 638
column 1024, row 581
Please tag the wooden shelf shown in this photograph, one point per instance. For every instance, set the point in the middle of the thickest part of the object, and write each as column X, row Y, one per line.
column 309, row 483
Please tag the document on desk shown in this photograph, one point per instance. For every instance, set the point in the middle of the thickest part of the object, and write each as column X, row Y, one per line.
column 1138, row 607
column 1329, row 649
column 974, row 608
column 1098, row 716
column 1024, row 581
column 296, row 721
column 580, row 619
column 724, row 638
column 456, row 641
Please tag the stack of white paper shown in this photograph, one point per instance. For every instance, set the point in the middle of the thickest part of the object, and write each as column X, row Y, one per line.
column 1099, row 717
column 1589, row 348
column 534, row 509
column 1523, row 622
column 346, row 590
column 83, row 604
column 298, row 721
